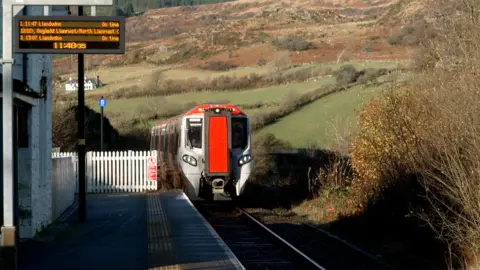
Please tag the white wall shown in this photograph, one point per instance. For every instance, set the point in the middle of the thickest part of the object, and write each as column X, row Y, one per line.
column 34, row 162
column 25, row 186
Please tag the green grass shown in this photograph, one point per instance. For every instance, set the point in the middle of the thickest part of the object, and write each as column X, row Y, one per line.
column 273, row 93
column 181, row 74
column 359, row 64
column 254, row 112
column 161, row 56
column 139, row 74
column 313, row 124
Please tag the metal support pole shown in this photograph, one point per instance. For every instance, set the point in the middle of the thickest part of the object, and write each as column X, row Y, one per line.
column 93, row 11
column 9, row 234
column 82, row 206
column 101, row 129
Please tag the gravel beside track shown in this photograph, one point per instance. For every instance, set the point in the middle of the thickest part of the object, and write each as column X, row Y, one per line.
column 328, row 252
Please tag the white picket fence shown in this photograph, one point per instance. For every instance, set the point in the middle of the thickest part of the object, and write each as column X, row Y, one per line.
column 121, row 171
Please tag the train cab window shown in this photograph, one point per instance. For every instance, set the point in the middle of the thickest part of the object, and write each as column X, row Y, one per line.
column 176, row 138
column 162, row 139
column 178, row 141
column 171, row 139
column 239, row 132
column 160, row 142
column 155, row 139
column 169, row 142
column 194, row 132
column 152, row 140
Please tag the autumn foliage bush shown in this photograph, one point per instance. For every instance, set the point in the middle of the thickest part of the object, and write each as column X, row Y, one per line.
column 292, row 43
column 262, row 146
column 386, row 140
column 217, row 66
column 428, row 131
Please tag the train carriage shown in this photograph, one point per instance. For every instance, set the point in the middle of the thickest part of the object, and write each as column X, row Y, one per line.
column 210, row 146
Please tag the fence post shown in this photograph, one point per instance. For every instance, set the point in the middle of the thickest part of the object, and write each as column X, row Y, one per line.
column 88, row 173
column 93, row 186
column 100, row 179
column 129, row 171
column 54, row 186
column 108, row 179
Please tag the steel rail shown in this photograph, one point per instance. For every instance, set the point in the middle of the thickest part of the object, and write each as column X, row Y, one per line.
column 283, row 240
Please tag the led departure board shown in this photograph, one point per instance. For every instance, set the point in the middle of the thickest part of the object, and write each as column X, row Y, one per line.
column 70, row 34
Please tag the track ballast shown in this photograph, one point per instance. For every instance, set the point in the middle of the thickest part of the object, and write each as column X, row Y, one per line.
column 254, row 246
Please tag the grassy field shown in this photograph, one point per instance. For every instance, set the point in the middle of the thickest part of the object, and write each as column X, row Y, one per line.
column 268, row 94
column 360, row 64
column 139, row 74
column 116, row 78
column 319, row 122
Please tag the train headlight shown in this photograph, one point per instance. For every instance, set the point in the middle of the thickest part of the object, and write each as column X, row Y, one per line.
column 244, row 160
column 190, row 160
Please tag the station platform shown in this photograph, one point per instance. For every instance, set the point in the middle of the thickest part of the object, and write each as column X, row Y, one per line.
column 180, row 238
column 131, row 231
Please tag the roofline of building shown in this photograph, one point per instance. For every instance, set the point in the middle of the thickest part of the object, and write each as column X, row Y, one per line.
column 22, row 88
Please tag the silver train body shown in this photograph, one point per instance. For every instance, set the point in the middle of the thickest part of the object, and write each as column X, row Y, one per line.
column 210, row 146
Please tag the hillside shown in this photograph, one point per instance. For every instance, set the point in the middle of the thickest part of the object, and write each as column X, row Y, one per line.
column 136, row 7
column 242, row 32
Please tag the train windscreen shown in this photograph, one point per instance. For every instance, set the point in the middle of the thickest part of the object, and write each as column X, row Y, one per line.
column 239, row 132
column 194, row 134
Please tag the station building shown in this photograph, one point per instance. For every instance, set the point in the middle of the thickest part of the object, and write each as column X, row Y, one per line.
column 32, row 85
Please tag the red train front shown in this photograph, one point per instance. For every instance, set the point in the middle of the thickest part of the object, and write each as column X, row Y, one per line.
column 210, row 146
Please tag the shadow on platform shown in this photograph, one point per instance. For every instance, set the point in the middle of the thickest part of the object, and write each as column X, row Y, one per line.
column 114, row 237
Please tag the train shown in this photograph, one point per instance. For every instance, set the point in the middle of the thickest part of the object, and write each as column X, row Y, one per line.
column 210, row 146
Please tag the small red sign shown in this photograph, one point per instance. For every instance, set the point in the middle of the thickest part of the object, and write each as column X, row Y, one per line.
column 152, row 168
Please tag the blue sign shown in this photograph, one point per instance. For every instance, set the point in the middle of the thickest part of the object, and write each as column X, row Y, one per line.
column 102, row 103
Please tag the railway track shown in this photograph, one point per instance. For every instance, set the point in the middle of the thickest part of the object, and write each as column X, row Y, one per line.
column 256, row 246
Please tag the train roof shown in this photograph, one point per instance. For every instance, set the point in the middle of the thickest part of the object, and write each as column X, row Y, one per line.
column 201, row 108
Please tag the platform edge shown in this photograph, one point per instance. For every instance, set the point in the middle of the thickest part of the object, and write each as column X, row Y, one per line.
column 217, row 237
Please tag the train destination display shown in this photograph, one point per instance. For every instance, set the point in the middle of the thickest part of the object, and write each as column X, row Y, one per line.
column 70, row 34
